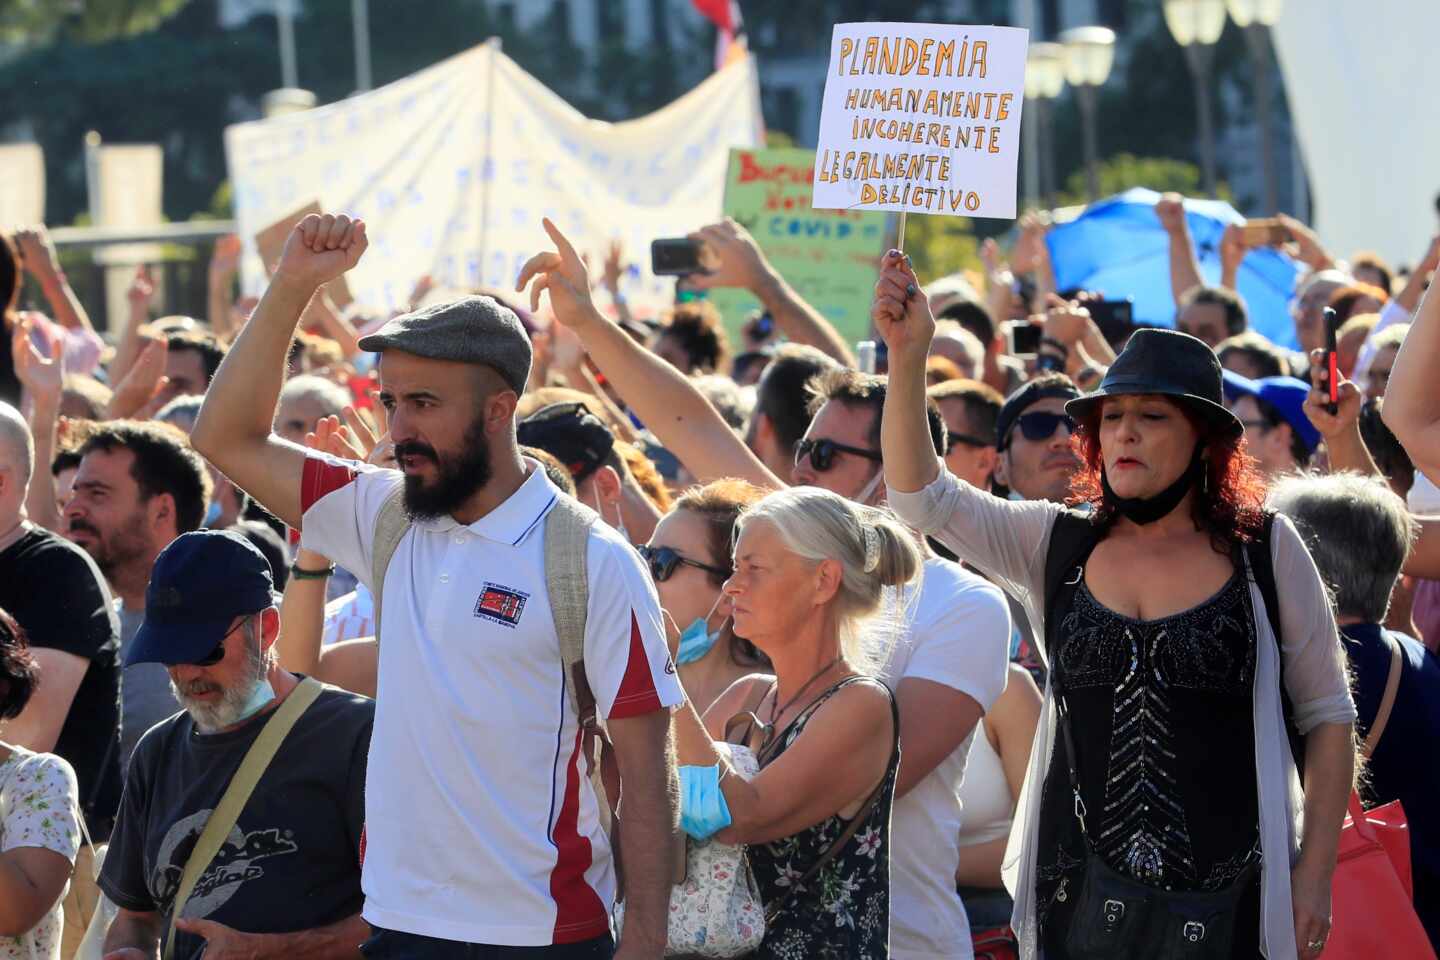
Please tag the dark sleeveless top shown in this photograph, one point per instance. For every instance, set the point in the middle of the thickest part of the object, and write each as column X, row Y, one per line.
column 1162, row 716
column 844, row 911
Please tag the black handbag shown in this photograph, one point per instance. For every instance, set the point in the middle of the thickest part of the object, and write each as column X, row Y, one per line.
column 1116, row 917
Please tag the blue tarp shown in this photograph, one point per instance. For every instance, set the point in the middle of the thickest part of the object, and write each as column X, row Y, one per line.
column 1117, row 247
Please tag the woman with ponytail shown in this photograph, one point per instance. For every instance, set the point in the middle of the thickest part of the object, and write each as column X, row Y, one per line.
column 809, row 590
column 1158, row 813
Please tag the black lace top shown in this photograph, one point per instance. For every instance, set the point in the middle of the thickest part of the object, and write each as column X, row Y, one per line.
column 843, row 913
column 1162, row 717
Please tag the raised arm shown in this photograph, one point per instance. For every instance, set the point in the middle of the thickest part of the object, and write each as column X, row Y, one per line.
column 43, row 380
column 1004, row 539
column 743, row 265
column 1184, row 268
column 1412, row 405
column 1341, row 429
column 220, row 282
column 43, row 264
column 233, row 429
column 667, row 402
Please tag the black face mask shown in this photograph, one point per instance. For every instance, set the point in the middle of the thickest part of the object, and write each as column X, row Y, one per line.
column 1143, row 510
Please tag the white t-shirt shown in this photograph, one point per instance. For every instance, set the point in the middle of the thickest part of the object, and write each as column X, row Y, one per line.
column 481, row 823
column 959, row 635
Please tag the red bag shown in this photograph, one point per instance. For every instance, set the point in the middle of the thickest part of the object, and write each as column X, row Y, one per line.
column 997, row 943
column 1371, row 911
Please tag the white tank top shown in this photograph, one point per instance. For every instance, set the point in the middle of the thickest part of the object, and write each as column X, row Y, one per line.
column 984, row 794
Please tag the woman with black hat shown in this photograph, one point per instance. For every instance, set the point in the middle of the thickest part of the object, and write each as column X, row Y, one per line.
column 1158, row 816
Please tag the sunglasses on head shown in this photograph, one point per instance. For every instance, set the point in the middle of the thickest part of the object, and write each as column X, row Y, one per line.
column 1040, row 425
column 822, row 453
column 664, row 561
column 966, row 440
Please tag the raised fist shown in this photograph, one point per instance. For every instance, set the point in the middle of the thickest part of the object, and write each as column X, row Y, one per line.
column 321, row 248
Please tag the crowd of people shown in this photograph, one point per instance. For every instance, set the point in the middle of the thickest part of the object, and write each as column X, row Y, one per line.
column 1074, row 653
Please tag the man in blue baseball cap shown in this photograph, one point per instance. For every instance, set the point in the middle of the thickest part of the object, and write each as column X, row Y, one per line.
column 287, row 875
column 1281, row 436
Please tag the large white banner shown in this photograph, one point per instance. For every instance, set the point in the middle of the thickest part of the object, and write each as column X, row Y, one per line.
column 454, row 166
column 1361, row 85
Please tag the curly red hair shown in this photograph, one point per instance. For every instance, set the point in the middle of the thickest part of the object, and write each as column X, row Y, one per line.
column 1230, row 507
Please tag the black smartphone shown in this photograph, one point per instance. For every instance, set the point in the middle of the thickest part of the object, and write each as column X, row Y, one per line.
column 675, row 257
column 1115, row 318
column 1332, row 371
column 1025, row 338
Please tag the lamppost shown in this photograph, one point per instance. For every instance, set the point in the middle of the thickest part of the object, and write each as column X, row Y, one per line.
column 1089, row 55
column 1044, row 78
column 1256, row 17
column 1196, row 25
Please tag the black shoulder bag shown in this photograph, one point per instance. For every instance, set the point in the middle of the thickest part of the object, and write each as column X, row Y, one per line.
column 1116, row 917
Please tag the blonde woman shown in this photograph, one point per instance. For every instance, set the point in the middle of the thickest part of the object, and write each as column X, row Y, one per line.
column 810, row 571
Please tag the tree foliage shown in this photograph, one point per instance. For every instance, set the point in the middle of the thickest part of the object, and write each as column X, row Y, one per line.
column 32, row 22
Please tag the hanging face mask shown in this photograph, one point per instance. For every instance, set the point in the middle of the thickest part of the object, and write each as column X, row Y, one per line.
column 260, row 698
column 212, row 513
column 619, row 514
column 863, row 497
column 696, row 640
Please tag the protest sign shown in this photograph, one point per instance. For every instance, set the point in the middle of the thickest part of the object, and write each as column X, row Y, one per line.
column 454, row 166
column 829, row 256
column 921, row 118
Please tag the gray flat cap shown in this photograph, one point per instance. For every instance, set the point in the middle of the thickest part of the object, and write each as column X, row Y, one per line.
column 477, row 330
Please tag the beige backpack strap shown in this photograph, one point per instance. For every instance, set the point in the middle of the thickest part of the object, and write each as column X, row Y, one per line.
column 1387, row 700
column 390, row 527
column 237, row 794
column 567, row 539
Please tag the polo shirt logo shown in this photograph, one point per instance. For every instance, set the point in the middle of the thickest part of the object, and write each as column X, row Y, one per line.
column 501, row 604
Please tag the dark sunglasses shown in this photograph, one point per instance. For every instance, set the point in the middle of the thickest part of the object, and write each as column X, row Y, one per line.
column 965, row 440
column 822, row 453
column 664, row 561
column 1040, row 425
column 218, row 654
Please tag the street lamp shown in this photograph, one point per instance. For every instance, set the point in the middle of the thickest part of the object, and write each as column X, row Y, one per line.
column 1196, row 25
column 1089, row 55
column 1044, row 79
column 1255, row 18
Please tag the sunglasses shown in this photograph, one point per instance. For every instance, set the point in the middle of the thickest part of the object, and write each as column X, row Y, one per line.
column 822, row 453
column 965, row 440
column 1040, row 425
column 664, row 561
column 218, row 654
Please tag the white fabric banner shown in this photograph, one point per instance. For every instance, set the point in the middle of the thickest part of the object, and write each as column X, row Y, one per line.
column 454, row 166
column 22, row 185
column 1358, row 77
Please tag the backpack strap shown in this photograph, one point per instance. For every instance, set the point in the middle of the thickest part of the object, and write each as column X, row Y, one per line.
column 567, row 540
column 1263, row 568
column 1072, row 539
column 390, row 526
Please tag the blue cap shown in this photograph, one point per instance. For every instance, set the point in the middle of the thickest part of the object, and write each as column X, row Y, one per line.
column 201, row 582
column 1286, row 394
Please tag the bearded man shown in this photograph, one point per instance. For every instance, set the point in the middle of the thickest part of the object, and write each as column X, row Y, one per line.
column 286, row 880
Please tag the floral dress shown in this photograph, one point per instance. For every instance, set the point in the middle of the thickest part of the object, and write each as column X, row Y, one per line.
column 844, row 911
column 38, row 800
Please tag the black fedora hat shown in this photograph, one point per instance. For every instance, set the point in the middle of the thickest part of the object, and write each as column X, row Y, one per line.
column 1169, row 364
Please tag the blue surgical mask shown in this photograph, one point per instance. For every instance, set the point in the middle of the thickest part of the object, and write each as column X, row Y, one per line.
column 260, row 698
column 212, row 513
column 697, row 640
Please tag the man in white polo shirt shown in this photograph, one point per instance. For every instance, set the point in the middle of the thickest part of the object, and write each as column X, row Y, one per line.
column 484, row 836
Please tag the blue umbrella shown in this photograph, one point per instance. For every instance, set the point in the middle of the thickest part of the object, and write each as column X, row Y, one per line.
column 1118, row 247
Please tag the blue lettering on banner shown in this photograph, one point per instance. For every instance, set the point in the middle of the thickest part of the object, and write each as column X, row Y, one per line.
column 414, row 196
column 693, row 153
column 599, row 160
column 487, row 169
column 353, row 122
column 463, row 178
column 385, row 200
column 570, row 145
column 519, row 217
column 472, row 269
column 520, row 171
column 445, row 270
column 427, row 237
column 657, row 165
column 552, row 176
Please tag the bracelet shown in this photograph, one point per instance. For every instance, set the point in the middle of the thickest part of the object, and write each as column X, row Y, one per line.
column 300, row 573
column 1048, row 341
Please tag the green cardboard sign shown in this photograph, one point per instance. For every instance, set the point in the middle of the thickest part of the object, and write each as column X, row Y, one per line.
column 830, row 256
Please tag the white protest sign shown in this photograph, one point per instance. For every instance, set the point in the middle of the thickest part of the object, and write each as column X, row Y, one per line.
column 921, row 118
column 22, row 184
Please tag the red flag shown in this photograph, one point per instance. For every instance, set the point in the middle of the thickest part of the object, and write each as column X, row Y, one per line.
column 717, row 12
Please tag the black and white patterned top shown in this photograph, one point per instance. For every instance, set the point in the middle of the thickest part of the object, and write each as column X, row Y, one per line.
column 1164, row 743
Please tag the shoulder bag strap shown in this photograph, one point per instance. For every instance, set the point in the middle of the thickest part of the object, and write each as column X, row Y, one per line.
column 227, row 811
column 861, row 815
column 1072, row 539
column 1387, row 701
column 390, row 526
